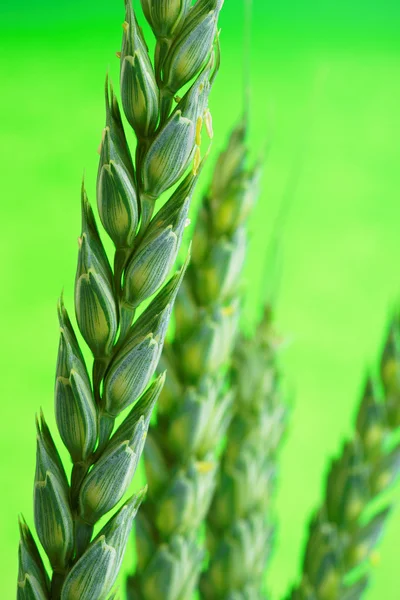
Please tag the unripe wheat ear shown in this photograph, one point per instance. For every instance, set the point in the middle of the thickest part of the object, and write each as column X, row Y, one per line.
column 125, row 350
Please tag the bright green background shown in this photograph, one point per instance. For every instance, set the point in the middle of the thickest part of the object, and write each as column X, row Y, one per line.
column 326, row 94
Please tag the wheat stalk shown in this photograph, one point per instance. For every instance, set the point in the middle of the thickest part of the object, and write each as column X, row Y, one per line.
column 194, row 407
column 345, row 531
column 239, row 524
column 125, row 350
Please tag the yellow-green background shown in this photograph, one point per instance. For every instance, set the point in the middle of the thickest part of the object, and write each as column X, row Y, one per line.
column 326, row 95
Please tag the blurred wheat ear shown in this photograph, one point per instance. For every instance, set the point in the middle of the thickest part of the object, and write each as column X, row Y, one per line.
column 240, row 519
column 125, row 349
column 344, row 533
column 194, row 408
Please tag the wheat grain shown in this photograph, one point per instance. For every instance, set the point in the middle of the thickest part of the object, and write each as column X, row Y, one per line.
column 194, row 407
column 344, row 533
column 125, row 350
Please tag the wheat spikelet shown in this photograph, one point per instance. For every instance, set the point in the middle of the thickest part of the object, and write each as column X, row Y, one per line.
column 239, row 523
column 194, row 408
column 125, row 350
column 344, row 533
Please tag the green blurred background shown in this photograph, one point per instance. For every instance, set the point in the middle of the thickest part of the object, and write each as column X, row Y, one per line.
column 326, row 95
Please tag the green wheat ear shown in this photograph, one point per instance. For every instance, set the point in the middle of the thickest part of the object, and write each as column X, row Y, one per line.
column 239, row 522
column 194, row 407
column 125, row 350
column 344, row 533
